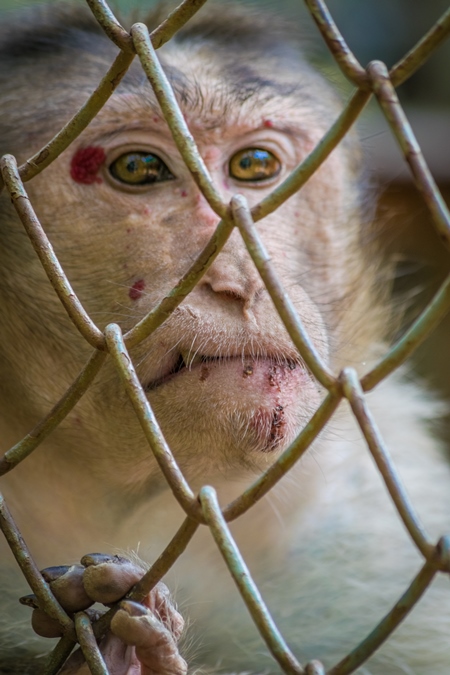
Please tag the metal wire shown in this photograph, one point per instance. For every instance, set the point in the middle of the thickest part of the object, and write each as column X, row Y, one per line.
column 110, row 344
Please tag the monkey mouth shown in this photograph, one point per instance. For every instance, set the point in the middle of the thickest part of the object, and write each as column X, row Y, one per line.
column 201, row 362
column 259, row 400
column 176, row 369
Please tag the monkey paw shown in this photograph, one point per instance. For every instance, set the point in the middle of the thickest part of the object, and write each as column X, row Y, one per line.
column 143, row 637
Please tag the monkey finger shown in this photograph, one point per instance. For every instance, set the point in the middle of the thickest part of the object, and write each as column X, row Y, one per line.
column 66, row 584
column 156, row 647
column 160, row 602
column 44, row 626
column 107, row 579
column 119, row 658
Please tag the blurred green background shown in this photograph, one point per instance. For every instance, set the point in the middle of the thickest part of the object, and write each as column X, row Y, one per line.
column 385, row 30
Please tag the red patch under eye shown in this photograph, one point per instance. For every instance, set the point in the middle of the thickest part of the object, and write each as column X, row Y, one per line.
column 85, row 164
column 137, row 290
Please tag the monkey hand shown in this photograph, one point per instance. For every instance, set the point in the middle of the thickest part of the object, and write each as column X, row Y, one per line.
column 143, row 637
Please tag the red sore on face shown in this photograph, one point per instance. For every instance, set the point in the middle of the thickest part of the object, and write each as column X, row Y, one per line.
column 85, row 164
column 137, row 290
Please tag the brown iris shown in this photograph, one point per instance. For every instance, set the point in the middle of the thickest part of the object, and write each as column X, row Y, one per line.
column 254, row 164
column 140, row 168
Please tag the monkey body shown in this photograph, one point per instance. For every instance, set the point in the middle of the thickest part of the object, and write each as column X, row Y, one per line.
column 327, row 551
column 226, row 383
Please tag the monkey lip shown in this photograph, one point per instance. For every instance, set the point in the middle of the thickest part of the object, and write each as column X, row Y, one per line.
column 201, row 362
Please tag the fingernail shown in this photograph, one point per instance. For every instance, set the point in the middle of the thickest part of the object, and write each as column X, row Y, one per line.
column 29, row 601
column 133, row 608
column 100, row 558
column 52, row 573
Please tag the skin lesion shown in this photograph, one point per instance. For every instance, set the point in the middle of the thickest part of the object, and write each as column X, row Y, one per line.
column 86, row 163
column 225, row 381
column 137, row 290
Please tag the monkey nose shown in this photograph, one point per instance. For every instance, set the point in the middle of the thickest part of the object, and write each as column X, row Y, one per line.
column 235, row 281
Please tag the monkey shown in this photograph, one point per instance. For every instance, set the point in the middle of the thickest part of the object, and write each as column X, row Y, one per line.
column 228, row 387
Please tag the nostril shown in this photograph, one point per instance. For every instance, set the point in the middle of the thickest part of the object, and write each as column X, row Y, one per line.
column 232, row 295
column 229, row 291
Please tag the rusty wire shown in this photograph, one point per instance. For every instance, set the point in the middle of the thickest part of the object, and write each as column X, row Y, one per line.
column 376, row 80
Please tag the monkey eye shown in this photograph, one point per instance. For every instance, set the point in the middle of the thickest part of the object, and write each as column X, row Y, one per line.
column 254, row 164
column 139, row 168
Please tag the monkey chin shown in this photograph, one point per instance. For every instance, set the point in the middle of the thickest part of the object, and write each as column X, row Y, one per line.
column 235, row 412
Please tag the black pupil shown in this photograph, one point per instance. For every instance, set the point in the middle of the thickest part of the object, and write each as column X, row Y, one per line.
column 132, row 166
column 245, row 163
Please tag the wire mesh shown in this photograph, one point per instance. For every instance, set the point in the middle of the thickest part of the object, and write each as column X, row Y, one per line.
column 375, row 80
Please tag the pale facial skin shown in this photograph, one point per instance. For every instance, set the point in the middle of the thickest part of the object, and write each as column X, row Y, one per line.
column 134, row 244
column 241, row 393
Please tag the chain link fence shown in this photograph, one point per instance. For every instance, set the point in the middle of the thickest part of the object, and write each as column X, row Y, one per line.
column 375, row 80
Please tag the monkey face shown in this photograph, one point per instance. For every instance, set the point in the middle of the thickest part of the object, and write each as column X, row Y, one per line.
column 126, row 220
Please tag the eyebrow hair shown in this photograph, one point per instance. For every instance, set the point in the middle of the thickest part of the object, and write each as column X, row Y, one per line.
column 117, row 130
column 241, row 84
column 246, row 83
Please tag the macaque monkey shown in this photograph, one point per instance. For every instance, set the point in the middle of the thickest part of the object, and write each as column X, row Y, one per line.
column 229, row 389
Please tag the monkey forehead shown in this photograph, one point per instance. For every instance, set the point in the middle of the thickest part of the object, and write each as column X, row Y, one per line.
column 218, row 100
column 128, row 111
column 229, row 87
column 217, row 83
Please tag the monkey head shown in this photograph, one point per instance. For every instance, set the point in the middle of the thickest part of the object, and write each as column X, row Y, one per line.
column 126, row 220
